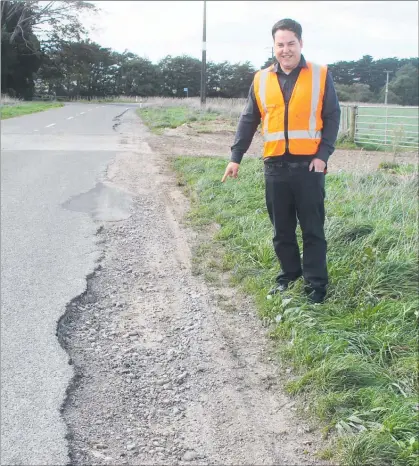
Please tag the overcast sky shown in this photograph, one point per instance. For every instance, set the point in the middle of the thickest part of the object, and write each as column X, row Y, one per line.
column 239, row 31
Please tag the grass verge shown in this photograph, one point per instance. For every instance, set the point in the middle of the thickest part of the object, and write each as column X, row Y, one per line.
column 25, row 108
column 159, row 118
column 345, row 143
column 354, row 358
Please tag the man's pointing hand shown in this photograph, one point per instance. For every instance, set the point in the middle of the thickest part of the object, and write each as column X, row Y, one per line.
column 231, row 170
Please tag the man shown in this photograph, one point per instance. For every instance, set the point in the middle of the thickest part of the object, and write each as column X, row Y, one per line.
column 297, row 104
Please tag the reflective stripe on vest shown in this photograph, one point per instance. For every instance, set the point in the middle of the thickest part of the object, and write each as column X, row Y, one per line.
column 306, row 134
column 299, row 134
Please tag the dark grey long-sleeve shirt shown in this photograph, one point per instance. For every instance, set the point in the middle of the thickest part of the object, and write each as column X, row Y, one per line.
column 251, row 117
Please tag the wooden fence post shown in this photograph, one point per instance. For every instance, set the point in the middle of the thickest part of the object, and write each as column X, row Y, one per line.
column 353, row 123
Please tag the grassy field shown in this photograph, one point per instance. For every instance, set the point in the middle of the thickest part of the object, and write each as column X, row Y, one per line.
column 25, row 108
column 355, row 357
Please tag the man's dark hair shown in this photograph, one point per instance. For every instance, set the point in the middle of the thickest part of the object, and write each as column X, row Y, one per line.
column 288, row 25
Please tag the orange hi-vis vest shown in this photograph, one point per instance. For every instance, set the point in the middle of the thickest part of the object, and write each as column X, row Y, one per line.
column 304, row 111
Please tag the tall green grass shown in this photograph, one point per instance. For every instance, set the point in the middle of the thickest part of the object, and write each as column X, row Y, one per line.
column 26, row 108
column 159, row 118
column 355, row 357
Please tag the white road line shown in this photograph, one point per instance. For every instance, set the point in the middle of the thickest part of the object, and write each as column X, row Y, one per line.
column 70, row 118
column 49, row 126
column 82, row 113
column 35, row 130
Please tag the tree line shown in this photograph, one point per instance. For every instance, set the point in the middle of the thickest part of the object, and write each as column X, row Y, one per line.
column 65, row 63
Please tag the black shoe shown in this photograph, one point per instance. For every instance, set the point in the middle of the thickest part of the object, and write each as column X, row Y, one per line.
column 317, row 296
column 278, row 288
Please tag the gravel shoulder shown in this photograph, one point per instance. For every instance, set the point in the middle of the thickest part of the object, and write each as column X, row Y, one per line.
column 166, row 372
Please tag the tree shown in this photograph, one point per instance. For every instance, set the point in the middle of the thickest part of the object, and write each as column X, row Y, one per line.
column 62, row 16
column 363, row 69
column 356, row 92
column 219, row 78
column 84, row 68
column 361, row 93
column 140, row 77
column 268, row 63
column 20, row 58
column 378, row 72
column 213, row 79
column 78, row 69
column 242, row 77
column 178, row 73
column 343, row 92
column 343, row 72
column 405, row 85
column 392, row 98
column 368, row 71
column 22, row 51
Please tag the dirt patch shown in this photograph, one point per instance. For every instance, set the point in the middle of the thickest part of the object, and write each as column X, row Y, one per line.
column 199, row 139
column 216, row 138
column 165, row 374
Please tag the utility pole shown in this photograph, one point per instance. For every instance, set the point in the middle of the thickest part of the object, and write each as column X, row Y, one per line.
column 272, row 51
column 386, row 93
column 204, row 58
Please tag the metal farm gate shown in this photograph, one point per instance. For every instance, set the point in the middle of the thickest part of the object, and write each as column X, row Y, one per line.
column 380, row 125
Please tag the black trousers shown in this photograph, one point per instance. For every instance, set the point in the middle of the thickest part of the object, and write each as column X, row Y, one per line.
column 293, row 192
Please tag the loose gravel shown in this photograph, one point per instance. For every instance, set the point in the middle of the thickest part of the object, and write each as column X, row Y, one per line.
column 164, row 375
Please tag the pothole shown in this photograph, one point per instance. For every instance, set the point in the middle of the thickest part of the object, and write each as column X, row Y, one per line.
column 104, row 202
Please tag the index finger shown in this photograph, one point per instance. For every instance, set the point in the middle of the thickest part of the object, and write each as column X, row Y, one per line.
column 224, row 177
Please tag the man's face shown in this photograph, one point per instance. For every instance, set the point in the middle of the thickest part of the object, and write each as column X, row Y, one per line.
column 287, row 49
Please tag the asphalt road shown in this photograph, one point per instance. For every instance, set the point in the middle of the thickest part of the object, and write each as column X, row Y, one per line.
column 48, row 248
